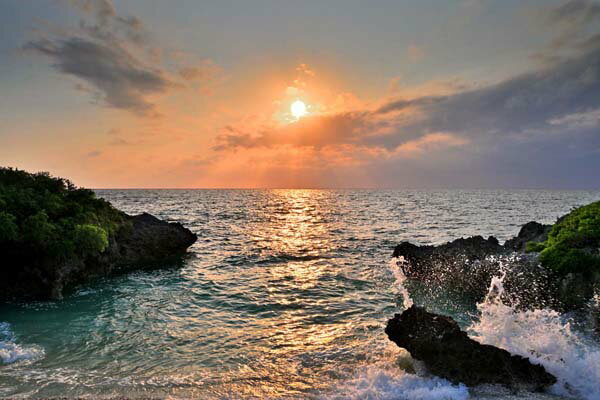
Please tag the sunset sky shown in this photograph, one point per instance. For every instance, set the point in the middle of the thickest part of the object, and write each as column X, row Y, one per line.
column 398, row 94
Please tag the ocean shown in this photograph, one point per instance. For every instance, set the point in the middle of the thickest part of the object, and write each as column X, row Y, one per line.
column 285, row 295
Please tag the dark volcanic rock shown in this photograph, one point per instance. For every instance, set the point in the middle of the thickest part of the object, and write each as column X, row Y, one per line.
column 468, row 265
column 449, row 353
column 472, row 248
column 142, row 241
column 148, row 240
column 530, row 232
column 457, row 263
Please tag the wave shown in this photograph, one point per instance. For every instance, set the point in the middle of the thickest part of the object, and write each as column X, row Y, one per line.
column 383, row 383
column 546, row 337
column 395, row 265
column 11, row 352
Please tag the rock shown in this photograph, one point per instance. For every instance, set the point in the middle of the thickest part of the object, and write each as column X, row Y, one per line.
column 142, row 241
column 149, row 240
column 457, row 263
column 449, row 353
column 468, row 265
column 472, row 248
column 530, row 232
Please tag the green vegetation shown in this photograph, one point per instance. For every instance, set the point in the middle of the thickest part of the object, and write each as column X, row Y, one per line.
column 573, row 242
column 48, row 218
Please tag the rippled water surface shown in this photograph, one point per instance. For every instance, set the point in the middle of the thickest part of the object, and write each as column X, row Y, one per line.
column 284, row 295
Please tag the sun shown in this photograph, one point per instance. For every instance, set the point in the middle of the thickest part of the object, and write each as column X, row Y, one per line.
column 298, row 109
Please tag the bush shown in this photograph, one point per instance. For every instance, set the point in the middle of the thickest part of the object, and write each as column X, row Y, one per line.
column 8, row 227
column 573, row 242
column 90, row 238
column 47, row 217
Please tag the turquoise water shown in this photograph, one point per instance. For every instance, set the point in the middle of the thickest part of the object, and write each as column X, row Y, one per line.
column 284, row 295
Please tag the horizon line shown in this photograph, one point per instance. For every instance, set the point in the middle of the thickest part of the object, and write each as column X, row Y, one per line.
column 346, row 188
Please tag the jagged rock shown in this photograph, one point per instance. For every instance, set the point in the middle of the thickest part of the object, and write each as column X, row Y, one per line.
column 472, row 248
column 141, row 241
column 468, row 265
column 449, row 353
column 147, row 241
column 454, row 264
column 530, row 232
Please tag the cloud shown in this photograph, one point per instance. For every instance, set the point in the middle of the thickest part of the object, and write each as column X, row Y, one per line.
column 94, row 154
column 576, row 29
column 318, row 131
column 428, row 143
column 576, row 11
column 512, row 107
column 120, row 142
column 107, row 23
column 115, row 60
column 515, row 130
column 206, row 70
column 122, row 80
column 578, row 120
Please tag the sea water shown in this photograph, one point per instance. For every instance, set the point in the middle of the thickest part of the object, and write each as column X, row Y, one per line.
column 285, row 295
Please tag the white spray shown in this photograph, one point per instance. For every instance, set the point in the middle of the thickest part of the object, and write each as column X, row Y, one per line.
column 396, row 265
column 11, row 352
column 545, row 337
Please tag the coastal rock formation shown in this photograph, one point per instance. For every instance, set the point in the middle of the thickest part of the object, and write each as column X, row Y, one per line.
column 468, row 265
column 146, row 241
column 54, row 235
column 530, row 232
column 141, row 241
column 561, row 269
column 449, row 353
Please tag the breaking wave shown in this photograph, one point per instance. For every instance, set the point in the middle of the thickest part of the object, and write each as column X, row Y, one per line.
column 546, row 337
column 381, row 383
column 11, row 352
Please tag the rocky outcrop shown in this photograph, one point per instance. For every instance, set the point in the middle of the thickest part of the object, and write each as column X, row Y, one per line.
column 473, row 248
column 147, row 240
column 141, row 241
column 468, row 265
column 530, row 232
column 449, row 353
column 458, row 263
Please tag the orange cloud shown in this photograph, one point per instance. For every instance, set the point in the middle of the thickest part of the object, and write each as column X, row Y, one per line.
column 428, row 143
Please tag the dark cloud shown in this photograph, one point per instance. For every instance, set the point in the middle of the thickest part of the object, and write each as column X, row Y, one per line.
column 122, row 79
column 576, row 24
column 576, row 11
column 106, row 54
column 517, row 106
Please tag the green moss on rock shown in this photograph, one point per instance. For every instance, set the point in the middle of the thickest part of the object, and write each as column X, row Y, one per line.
column 573, row 242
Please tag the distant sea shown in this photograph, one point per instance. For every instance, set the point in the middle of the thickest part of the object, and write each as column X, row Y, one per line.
column 284, row 295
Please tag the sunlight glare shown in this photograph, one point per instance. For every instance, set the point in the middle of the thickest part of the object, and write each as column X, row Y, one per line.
column 298, row 109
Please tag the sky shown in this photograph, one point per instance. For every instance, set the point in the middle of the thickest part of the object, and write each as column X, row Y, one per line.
column 398, row 94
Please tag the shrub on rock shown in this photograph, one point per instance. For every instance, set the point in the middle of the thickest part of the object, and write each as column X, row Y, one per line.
column 573, row 242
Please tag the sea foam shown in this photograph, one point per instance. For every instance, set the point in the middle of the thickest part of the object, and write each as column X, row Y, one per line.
column 381, row 383
column 11, row 352
column 396, row 266
column 546, row 337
